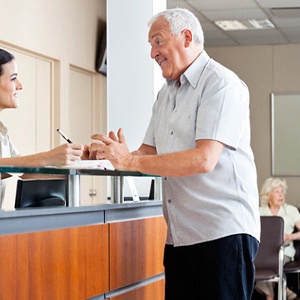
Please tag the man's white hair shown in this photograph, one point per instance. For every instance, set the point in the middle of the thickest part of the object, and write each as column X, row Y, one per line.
column 180, row 19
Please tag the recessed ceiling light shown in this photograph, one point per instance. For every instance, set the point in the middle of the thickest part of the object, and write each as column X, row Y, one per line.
column 261, row 24
column 230, row 25
column 244, row 24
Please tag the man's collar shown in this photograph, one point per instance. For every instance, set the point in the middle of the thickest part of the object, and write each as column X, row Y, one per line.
column 193, row 73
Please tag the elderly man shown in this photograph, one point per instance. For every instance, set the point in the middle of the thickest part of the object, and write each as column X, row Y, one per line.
column 198, row 140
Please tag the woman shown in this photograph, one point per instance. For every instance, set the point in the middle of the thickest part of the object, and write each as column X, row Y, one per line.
column 9, row 155
column 272, row 199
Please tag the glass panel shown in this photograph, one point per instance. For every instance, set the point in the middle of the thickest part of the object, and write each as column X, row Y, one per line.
column 65, row 171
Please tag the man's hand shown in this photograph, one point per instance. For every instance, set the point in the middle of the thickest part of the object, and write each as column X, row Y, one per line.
column 113, row 148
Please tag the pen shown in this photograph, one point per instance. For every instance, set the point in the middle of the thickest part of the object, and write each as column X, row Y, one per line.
column 64, row 137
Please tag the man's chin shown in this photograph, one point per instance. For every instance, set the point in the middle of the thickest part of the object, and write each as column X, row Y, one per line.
column 166, row 75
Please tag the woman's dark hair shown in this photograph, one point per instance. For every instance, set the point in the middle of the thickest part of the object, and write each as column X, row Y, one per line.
column 5, row 57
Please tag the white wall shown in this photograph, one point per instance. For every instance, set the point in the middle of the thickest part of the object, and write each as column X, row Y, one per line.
column 132, row 78
column 130, row 70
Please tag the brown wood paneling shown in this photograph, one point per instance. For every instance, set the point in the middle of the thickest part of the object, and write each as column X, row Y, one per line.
column 154, row 291
column 56, row 265
column 136, row 250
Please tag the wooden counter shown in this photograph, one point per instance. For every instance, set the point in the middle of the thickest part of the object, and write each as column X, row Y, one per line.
column 101, row 252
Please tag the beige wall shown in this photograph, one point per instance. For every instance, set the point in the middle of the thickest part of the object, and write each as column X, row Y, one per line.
column 265, row 69
column 66, row 32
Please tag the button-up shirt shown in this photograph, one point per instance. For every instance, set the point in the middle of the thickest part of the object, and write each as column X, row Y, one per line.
column 210, row 102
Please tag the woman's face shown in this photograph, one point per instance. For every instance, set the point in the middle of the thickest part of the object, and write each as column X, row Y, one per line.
column 276, row 197
column 9, row 86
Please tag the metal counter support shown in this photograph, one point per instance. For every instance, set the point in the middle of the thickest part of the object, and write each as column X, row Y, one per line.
column 158, row 188
column 73, row 194
column 117, row 183
column 73, row 184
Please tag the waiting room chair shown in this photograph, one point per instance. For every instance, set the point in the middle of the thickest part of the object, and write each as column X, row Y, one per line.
column 293, row 267
column 270, row 256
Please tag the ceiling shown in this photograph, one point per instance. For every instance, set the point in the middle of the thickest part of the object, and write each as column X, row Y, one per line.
column 284, row 14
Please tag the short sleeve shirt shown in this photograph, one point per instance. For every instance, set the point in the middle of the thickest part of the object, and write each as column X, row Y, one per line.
column 291, row 216
column 210, row 103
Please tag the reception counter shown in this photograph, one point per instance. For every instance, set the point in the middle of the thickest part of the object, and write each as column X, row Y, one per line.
column 110, row 251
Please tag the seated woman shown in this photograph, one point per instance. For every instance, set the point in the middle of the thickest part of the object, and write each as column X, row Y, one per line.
column 272, row 201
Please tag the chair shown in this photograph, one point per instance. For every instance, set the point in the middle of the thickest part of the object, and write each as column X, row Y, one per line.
column 270, row 256
column 40, row 193
column 293, row 267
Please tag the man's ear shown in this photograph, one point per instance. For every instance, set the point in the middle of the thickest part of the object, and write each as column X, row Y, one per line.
column 188, row 37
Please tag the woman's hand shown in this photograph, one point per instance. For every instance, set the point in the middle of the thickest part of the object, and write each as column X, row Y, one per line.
column 288, row 237
column 65, row 154
column 292, row 236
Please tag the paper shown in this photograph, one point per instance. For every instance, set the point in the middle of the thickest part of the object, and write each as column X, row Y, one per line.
column 91, row 164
